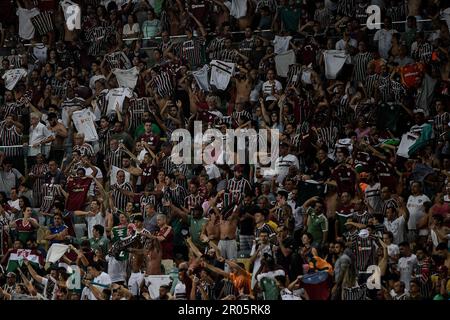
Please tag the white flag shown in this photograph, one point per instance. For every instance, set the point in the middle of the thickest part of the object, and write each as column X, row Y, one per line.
column 84, row 122
column 13, row 76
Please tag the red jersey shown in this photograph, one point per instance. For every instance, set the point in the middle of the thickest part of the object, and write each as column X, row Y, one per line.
column 148, row 174
column 386, row 175
column 411, row 73
column 151, row 139
column 77, row 189
column 345, row 179
column 167, row 244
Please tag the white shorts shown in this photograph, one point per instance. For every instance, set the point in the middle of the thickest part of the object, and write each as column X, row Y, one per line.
column 134, row 283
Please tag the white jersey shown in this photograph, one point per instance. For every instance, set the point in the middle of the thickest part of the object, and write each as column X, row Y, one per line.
column 416, row 209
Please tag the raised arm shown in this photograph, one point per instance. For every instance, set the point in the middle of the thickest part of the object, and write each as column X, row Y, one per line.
column 217, row 270
column 200, row 25
column 33, row 272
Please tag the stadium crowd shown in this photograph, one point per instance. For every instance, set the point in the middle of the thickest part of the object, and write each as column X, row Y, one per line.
column 93, row 207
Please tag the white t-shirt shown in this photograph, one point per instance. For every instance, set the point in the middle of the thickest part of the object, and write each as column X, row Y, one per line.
column 117, row 270
column 406, row 266
column 127, row 30
column 416, row 209
column 281, row 44
column 340, row 45
column 397, row 227
column 37, row 134
column 268, row 87
column 180, row 291
column 116, row 97
column 26, row 28
column 102, row 281
column 92, row 221
column 40, row 51
column 384, row 38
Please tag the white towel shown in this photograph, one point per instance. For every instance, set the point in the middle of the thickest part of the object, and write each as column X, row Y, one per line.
column 334, row 61
column 126, row 78
column 201, row 77
column 55, row 252
column 221, row 73
column 84, row 122
column 283, row 61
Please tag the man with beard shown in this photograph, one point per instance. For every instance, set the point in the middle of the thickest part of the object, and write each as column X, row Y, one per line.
column 237, row 186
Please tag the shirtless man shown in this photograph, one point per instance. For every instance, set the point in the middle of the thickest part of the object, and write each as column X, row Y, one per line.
column 244, row 84
column 211, row 229
column 227, row 227
column 137, row 258
column 153, row 258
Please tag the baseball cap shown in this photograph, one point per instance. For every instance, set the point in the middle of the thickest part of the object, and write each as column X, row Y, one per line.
column 10, row 275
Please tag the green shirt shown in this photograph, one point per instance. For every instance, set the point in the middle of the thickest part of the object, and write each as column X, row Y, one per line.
column 140, row 130
column 177, row 226
column 290, row 17
column 100, row 244
column 317, row 225
column 409, row 37
column 195, row 230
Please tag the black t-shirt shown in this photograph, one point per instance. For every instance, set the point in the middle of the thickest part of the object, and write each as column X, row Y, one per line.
column 281, row 259
column 324, row 170
column 308, row 190
column 247, row 226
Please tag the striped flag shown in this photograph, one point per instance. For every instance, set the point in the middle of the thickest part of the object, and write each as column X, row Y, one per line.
column 43, row 23
column 17, row 257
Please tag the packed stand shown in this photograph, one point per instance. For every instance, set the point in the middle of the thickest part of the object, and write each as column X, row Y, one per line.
column 93, row 207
